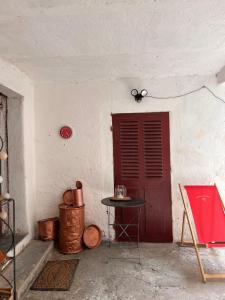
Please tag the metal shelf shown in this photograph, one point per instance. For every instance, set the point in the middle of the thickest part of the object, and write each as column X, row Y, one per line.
column 9, row 203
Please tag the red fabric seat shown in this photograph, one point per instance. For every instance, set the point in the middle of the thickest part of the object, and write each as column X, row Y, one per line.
column 208, row 214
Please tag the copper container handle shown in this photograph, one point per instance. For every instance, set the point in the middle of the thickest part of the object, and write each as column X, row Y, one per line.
column 79, row 184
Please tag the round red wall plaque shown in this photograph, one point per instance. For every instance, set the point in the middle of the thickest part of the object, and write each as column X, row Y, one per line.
column 66, row 132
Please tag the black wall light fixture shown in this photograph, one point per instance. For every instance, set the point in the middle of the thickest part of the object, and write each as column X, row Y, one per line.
column 144, row 93
column 139, row 95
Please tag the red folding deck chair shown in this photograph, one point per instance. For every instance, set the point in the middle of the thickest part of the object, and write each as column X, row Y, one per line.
column 204, row 212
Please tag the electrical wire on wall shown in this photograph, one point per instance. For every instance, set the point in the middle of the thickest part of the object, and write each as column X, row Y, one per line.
column 144, row 93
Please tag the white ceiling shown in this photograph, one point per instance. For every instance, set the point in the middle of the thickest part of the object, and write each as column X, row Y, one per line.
column 77, row 40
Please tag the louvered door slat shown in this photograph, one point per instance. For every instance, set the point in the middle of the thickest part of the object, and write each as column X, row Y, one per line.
column 129, row 149
column 153, row 150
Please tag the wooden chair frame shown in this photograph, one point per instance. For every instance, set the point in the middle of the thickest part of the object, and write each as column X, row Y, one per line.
column 187, row 215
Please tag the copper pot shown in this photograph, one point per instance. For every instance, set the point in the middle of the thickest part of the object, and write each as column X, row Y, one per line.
column 69, row 234
column 71, row 228
column 71, row 247
column 48, row 229
column 71, row 216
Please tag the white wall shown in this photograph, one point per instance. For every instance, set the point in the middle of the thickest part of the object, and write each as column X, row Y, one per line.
column 18, row 87
column 197, row 125
column 16, row 161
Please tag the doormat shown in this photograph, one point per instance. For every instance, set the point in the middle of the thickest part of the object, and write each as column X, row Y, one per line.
column 57, row 275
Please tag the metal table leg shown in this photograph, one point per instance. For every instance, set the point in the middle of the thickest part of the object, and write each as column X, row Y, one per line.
column 109, row 237
column 138, row 234
column 124, row 228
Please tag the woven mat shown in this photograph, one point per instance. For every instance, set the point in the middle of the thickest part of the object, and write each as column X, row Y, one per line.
column 56, row 275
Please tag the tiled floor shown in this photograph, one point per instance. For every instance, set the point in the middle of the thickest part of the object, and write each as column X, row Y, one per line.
column 166, row 272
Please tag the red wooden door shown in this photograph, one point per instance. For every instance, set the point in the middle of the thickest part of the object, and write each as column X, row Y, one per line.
column 141, row 151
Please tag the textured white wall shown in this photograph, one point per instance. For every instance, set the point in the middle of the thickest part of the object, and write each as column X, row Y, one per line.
column 197, row 126
column 18, row 87
column 16, row 161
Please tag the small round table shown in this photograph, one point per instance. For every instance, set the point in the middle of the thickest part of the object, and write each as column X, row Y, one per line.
column 134, row 202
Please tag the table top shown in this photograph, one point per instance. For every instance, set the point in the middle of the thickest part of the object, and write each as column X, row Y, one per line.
column 134, row 202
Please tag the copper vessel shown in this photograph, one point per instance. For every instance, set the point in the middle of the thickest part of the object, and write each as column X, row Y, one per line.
column 6, row 293
column 70, row 233
column 71, row 247
column 73, row 197
column 92, row 236
column 78, row 196
column 48, row 229
column 71, row 228
column 3, row 256
column 69, row 197
column 79, row 200
column 71, row 216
